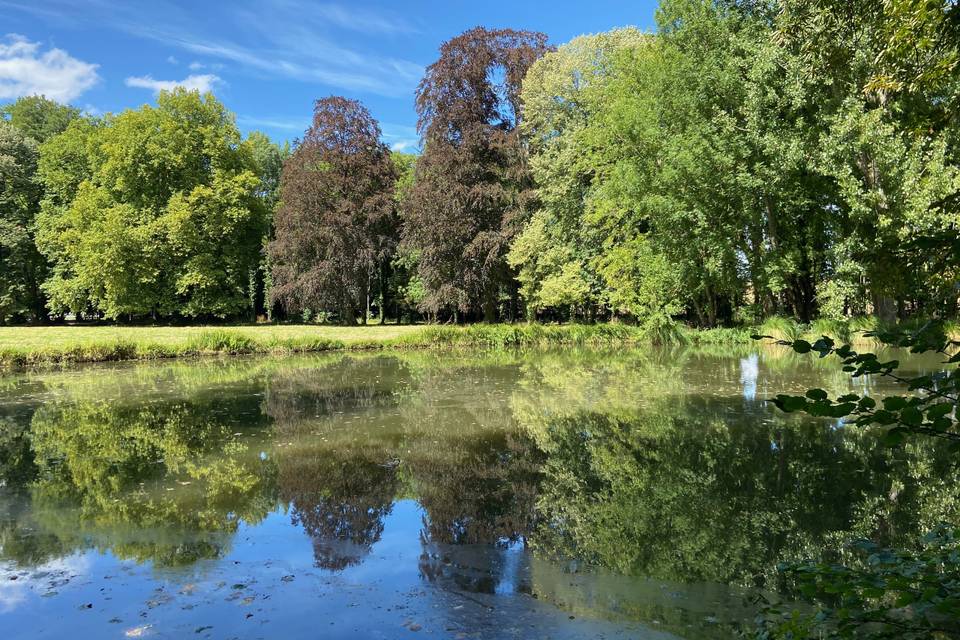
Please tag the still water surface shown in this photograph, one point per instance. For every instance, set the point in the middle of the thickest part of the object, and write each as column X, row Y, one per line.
column 574, row 494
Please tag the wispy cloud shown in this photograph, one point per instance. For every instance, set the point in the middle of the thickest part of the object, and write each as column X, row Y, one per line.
column 199, row 66
column 281, row 123
column 292, row 39
column 172, row 60
column 400, row 137
column 353, row 18
column 202, row 83
column 25, row 71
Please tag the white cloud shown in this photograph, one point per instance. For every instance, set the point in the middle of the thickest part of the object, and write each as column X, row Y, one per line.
column 400, row 137
column 285, row 124
column 202, row 83
column 25, row 71
column 404, row 145
column 172, row 60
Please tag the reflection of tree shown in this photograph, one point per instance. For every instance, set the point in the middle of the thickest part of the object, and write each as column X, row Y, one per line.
column 695, row 496
column 309, row 394
column 480, row 490
column 161, row 481
column 337, row 479
column 340, row 496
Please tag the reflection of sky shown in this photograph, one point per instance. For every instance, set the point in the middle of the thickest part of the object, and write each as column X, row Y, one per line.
column 749, row 372
column 14, row 592
column 267, row 585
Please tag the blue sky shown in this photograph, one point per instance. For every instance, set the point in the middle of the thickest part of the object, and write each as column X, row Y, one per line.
column 267, row 60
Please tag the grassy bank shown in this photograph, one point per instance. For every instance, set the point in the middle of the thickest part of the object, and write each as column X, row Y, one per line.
column 28, row 346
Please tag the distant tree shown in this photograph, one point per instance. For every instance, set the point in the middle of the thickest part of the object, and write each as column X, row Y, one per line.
column 268, row 157
column 557, row 254
column 39, row 118
column 473, row 189
column 21, row 266
column 336, row 226
column 154, row 212
column 404, row 288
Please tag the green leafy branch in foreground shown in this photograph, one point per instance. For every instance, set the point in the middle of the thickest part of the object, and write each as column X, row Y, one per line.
column 880, row 593
column 887, row 594
column 930, row 408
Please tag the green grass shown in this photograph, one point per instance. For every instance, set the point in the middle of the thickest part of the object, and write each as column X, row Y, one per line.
column 30, row 346
column 24, row 346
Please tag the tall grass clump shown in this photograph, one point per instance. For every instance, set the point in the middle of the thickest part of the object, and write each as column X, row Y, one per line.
column 951, row 328
column 837, row 330
column 781, row 328
column 221, row 341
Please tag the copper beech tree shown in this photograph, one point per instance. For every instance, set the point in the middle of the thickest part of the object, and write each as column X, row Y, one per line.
column 472, row 190
column 336, row 226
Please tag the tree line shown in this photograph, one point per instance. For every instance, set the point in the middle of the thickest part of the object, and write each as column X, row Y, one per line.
column 750, row 158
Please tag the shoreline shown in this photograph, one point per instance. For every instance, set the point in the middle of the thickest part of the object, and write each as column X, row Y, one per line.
column 53, row 346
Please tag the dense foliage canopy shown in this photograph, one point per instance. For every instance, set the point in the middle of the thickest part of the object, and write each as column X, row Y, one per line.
column 336, row 226
column 747, row 159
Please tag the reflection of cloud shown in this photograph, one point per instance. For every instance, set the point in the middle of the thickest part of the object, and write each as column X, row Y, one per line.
column 749, row 372
column 24, row 71
column 14, row 592
column 202, row 83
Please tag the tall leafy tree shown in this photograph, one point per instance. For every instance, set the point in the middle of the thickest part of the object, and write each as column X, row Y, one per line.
column 557, row 253
column 336, row 225
column 472, row 192
column 268, row 157
column 21, row 266
column 165, row 220
column 38, row 117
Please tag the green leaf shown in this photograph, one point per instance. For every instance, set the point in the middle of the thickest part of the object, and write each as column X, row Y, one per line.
column 816, row 394
column 938, row 410
column 801, row 346
column 894, row 436
column 894, row 403
column 911, row 416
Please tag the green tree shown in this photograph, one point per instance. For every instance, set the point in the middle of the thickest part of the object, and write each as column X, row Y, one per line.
column 556, row 253
column 39, row 118
column 22, row 268
column 152, row 212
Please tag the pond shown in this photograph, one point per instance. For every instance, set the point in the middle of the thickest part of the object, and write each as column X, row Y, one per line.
column 553, row 494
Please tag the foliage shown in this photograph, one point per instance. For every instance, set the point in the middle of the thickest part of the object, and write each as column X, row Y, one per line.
column 336, row 225
column 21, row 266
column 929, row 408
column 161, row 217
column 556, row 252
column 472, row 190
column 905, row 592
column 888, row 593
column 38, row 117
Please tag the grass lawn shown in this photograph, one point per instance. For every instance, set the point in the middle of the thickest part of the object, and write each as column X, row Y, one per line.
column 66, row 337
column 25, row 346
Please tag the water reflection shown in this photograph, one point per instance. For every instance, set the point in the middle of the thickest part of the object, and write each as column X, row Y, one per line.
column 652, row 487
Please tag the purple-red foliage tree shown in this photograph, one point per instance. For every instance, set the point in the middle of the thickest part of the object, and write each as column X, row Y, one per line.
column 472, row 189
column 336, row 226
